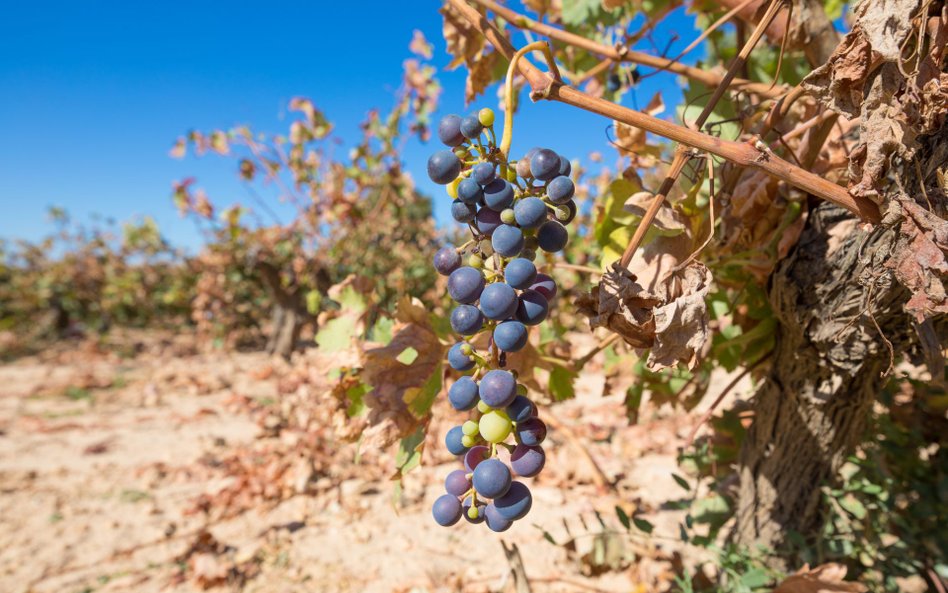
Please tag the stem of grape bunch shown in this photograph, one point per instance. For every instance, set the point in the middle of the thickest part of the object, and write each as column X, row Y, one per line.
column 514, row 210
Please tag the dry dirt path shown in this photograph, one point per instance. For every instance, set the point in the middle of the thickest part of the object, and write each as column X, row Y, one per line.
column 102, row 458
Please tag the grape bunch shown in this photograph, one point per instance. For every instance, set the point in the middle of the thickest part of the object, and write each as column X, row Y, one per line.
column 513, row 209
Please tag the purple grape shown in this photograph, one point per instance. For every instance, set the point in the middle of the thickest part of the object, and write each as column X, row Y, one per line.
column 545, row 285
column 458, row 360
column 520, row 273
column 465, row 284
column 510, row 335
column 498, row 301
column 471, row 127
column 530, row 212
column 532, row 432
column 475, row 456
column 463, row 394
column 491, row 478
column 452, row 441
column 443, row 167
column 457, row 482
column 521, row 409
column 487, row 221
column 507, row 240
column 467, row 320
column 470, row 192
column 545, row 164
column 446, row 260
column 497, row 388
column 484, row 173
column 498, row 195
column 532, row 307
column 561, row 189
column 565, row 166
column 552, row 236
column 516, row 503
column 494, row 521
column 480, row 511
column 527, row 461
column 449, row 130
column 462, row 212
column 446, row 510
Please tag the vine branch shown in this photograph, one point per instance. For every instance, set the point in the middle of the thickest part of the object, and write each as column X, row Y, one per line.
column 623, row 54
column 741, row 153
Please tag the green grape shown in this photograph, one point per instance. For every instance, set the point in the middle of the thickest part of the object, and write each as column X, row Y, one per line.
column 486, row 117
column 511, row 175
column 483, row 408
column 521, row 389
column 466, row 349
column 495, row 426
column 468, row 441
column 472, row 512
column 475, row 261
column 507, row 216
column 469, row 428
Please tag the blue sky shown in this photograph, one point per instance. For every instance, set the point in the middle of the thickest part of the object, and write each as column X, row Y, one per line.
column 94, row 94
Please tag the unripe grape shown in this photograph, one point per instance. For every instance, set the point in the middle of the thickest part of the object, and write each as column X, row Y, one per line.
column 469, row 428
column 452, row 188
column 495, row 426
column 486, row 117
column 507, row 216
column 483, row 408
column 475, row 261
column 468, row 441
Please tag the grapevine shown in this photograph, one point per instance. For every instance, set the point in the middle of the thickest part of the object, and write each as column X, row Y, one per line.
column 513, row 210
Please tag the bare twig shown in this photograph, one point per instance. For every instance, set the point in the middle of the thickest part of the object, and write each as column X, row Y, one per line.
column 623, row 54
column 602, row 345
column 514, row 560
column 681, row 154
column 717, row 401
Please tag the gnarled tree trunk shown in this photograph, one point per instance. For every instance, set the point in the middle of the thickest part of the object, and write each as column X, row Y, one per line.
column 289, row 310
column 827, row 368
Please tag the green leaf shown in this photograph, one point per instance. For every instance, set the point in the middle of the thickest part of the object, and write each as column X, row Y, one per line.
column 420, row 400
column 755, row 578
column 853, row 506
column 407, row 356
column 578, row 12
column 561, row 383
column 337, row 334
column 382, row 331
column 356, row 395
column 643, row 525
column 623, row 518
column 409, row 451
column 681, row 482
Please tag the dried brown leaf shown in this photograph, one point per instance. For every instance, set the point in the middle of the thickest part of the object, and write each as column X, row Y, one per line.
column 393, row 381
column 919, row 261
column 668, row 219
column 825, row 578
column 420, row 46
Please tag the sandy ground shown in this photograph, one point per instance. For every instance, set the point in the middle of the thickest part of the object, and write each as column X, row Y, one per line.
column 102, row 459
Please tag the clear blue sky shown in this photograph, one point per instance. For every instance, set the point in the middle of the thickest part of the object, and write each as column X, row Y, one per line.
column 94, row 93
